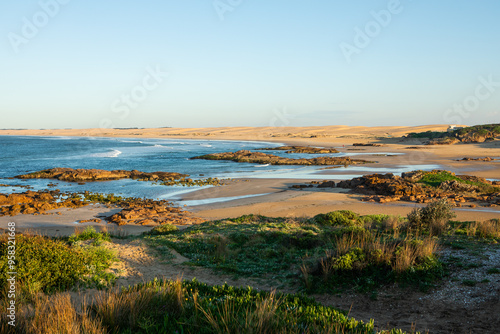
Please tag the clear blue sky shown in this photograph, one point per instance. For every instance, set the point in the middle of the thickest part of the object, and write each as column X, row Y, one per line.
column 82, row 64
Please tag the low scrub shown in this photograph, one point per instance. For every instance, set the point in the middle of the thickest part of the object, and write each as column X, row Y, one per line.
column 339, row 217
column 162, row 306
column 336, row 247
column 48, row 265
column 433, row 218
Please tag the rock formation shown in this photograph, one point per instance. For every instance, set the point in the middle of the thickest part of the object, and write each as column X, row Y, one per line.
column 87, row 175
column 300, row 149
column 263, row 158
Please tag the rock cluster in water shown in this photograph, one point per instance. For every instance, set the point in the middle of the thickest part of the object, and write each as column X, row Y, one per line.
column 368, row 144
column 88, row 175
column 300, row 149
column 263, row 158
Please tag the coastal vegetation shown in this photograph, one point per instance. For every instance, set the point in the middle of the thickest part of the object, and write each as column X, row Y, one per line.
column 334, row 252
column 471, row 134
column 47, row 265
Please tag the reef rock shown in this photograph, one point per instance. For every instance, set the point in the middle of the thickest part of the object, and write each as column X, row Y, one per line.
column 263, row 158
column 86, row 175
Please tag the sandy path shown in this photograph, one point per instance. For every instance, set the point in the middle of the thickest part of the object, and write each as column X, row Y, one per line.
column 139, row 263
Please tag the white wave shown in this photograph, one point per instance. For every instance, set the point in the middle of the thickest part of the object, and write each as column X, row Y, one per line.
column 110, row 154
column 131, row 141
column 158, row 145
column 265, row 165
column 206, row 145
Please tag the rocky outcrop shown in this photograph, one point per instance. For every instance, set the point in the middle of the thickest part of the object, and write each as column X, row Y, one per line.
column 366, row 144
column 327, row 184
column 459, row 190
column 32, row 202
column 477, row 159
column 89, row 175
column 135, row 210
column 151, row 212
column 300, row 149
column 383, row 184
column 263, row 158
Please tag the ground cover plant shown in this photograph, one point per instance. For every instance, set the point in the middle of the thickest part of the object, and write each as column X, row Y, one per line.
column 331, row 251
column 438, row 177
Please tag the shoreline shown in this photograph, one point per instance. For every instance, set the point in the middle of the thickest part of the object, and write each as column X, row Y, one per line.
column 272, row 196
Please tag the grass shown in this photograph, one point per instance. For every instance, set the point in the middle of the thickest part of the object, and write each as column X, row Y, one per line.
column 328, row 252
column 163, row 306
column 493, row 271
column 436, row 178
column 89, row 233
column 332, row 252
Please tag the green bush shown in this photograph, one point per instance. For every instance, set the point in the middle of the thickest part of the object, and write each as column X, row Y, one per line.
column 339, row 217
column 88, row 234
column 433, row 218
column 49, row 265
column 163, row 229
column 44, row 264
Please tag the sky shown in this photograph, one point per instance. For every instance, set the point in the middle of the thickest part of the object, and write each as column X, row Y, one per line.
column 210, row 63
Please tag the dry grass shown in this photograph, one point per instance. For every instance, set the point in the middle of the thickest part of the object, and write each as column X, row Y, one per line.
column 379, row 250
column 54, row 314
column 117, row 309
column 391, row 223
column 486, row 229
column 259, row 319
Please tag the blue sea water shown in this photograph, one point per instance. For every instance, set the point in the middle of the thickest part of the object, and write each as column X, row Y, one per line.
column 25, row 154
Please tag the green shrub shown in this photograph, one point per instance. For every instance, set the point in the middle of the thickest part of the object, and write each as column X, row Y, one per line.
column 44, row 264
column 48, row 265
column 163, row 229
column 339, row 217
column 88, row 234
column 433, row 218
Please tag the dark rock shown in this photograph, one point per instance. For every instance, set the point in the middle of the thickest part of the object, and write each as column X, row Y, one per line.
column 327, row 184
column 263, row 158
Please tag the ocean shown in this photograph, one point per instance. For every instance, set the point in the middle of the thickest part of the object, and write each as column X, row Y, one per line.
column 25, row 154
